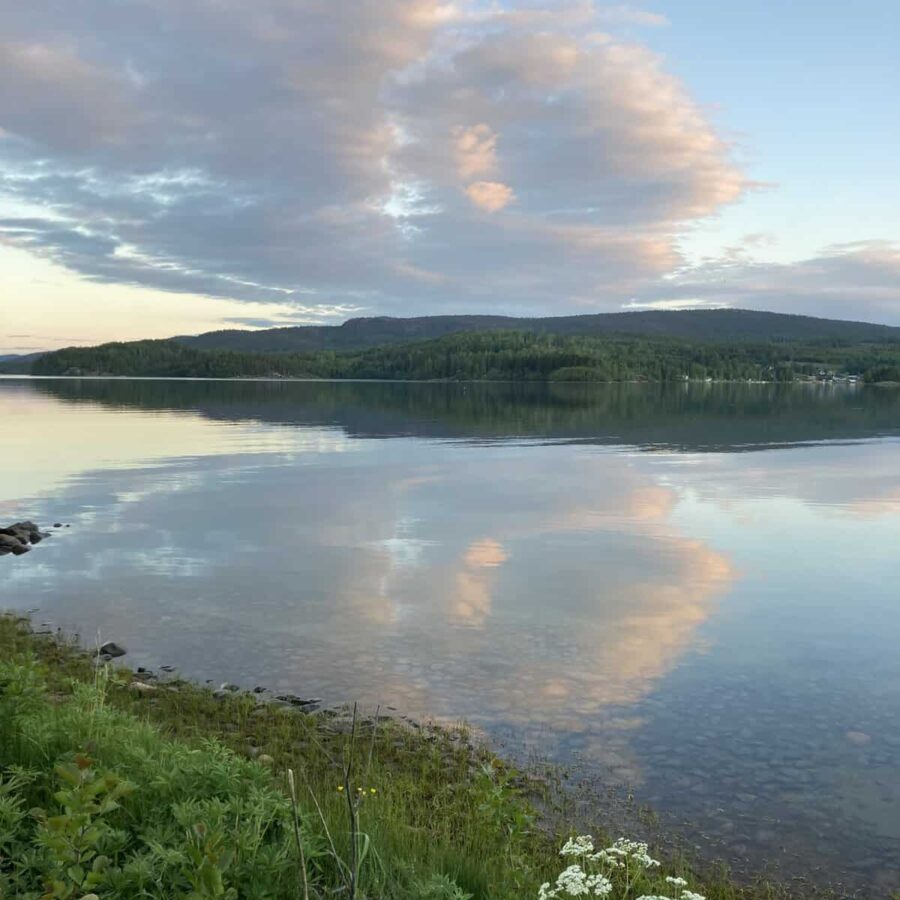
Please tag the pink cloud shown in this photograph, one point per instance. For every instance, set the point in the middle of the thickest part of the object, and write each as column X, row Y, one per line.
column 491, row 196
column 476, row 150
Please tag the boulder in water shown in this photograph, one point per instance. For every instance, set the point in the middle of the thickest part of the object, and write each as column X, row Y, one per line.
column 13, row 544
column 112, row 650
column 18, row 538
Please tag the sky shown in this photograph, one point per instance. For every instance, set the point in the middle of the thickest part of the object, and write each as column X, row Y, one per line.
column 174, row 166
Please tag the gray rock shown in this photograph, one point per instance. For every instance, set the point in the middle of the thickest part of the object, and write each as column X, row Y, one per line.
column 18, row 538
column 21, row 530
column 300, row 702
column 13, row 543
column 112, row 650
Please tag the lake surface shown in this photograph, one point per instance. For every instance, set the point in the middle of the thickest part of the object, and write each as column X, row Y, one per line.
column 690, row 591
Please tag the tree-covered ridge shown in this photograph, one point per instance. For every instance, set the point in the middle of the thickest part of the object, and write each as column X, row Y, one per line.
column 496, row 356
column 717, row 325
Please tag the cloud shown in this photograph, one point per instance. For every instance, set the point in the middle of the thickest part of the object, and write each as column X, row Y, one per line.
column 856, row 280
column 491, row 196
column 629, row 15
column 59, row 100
column 673, row 303
column 476, row 150
column 433, row 157
column 270, row 152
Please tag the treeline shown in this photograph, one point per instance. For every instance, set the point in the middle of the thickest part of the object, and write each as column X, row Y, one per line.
column 496, row 356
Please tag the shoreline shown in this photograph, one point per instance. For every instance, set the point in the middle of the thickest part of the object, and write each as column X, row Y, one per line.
column 446, row 381
column 227, row 714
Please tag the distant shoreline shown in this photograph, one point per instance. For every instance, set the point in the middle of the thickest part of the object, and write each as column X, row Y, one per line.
column 435, row 381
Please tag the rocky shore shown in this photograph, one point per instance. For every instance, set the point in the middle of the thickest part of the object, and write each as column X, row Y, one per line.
column 19, row 538
column 339, row 719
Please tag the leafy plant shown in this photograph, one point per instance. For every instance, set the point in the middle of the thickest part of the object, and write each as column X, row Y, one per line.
column 75, row 837
column 441, row 887
column 209, row 857
column 500, row 801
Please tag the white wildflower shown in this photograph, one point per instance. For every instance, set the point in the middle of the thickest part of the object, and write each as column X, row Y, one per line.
column 583, row 845
column 690, row 895
column 600, row 885
column 610, row 859
column 593, row 874
column 573, row 881
column 635, row 850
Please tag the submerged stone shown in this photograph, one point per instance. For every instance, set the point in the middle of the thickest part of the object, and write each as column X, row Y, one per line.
column 112, row 650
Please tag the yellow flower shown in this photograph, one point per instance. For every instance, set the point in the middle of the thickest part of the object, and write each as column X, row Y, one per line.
column 372, row 791
column 340, row 787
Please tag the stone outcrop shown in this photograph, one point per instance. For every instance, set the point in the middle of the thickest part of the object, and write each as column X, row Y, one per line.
column 19, row 538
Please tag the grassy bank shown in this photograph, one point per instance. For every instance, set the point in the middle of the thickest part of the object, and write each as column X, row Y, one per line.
column 112, row 787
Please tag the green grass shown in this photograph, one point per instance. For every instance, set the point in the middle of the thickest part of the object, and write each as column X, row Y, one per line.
column 113, row 791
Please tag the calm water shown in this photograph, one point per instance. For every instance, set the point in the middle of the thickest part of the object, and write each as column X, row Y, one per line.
column 690, row 591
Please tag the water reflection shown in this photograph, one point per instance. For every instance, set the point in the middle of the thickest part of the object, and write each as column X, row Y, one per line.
column 684, row 417
column 708, row 626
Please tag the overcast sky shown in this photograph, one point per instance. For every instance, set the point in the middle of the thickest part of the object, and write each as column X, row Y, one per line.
column 172, row 166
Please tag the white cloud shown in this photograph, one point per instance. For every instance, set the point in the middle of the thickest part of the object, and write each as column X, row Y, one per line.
column 859, row 280
column 629, row 15
column 343, row 153
column 676, row 303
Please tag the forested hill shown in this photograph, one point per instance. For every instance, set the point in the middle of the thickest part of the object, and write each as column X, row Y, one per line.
column 719, row 325
column 714, row 326
column 498, row 356
column 18, row 364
